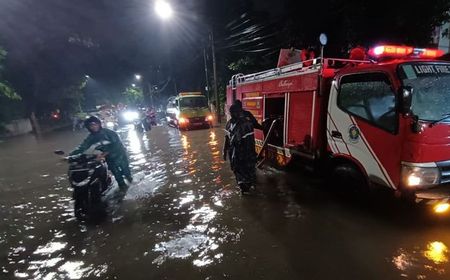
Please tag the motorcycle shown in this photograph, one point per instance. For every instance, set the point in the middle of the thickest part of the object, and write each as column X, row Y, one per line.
column 152, row 118
column 139, row 126
column 147, row 123
column 90, row 179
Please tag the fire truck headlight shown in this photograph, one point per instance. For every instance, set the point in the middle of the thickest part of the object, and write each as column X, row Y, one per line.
column 419, row 176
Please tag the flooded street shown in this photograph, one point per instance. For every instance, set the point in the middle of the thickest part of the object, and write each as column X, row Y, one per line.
column 184, row 218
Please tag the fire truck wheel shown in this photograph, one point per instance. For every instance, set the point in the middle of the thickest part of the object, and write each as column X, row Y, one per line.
column 347, row 178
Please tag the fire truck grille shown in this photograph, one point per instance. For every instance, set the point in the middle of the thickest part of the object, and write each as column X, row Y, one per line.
column 444, row 166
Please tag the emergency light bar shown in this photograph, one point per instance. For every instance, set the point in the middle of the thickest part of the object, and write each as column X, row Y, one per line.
column 403, row 51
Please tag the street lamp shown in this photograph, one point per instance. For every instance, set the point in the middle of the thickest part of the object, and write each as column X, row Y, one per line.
column 138, row 77
column 87, row 76
column 133, row 85
column 163, row 9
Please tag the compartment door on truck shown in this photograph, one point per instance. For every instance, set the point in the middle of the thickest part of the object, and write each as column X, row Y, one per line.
column 254, row 103
column 362, row 124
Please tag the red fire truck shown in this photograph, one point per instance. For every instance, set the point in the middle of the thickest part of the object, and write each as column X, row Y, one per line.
column 381, row 121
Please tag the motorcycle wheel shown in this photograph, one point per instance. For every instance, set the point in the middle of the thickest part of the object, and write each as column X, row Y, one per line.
column 96, row 206
column 80, row 207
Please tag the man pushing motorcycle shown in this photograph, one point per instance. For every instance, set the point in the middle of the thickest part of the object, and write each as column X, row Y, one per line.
column 114, row 153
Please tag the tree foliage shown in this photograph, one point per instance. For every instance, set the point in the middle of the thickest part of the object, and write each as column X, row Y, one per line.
column 47, row 52
column 5, row 89
column 133, row 95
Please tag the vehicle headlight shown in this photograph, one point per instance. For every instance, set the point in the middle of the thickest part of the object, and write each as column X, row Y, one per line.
column 441, row 207
column 130, row 115
column 182, row 120
column 418, row 175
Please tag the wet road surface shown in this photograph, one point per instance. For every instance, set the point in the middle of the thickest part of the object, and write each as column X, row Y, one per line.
column 184, row 218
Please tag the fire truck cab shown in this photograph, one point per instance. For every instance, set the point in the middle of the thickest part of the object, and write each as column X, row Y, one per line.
column 384, row 121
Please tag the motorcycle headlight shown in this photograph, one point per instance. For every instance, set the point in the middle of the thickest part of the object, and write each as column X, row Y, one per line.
column 420, row 175
column 130, row 116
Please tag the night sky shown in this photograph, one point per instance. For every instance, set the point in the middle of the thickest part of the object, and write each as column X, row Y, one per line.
column 111, row 40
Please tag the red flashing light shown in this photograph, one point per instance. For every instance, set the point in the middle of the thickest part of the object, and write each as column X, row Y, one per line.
column 391, row 51
column 428, row 53
column 403, row 51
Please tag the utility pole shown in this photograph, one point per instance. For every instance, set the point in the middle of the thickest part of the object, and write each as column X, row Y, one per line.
column 206, row 75
column 150, row 91
column 216, row 94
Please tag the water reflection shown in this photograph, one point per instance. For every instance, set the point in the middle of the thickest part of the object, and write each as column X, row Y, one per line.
column 422, row 263
column 185, row 142
column 178, row 198
column 134, row 142
column 199, row 239
column 436, row 252
column 50, row 247
column 215, row 152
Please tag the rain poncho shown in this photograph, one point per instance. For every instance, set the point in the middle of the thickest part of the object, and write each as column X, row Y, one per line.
column 240, row 149
column 116, row 157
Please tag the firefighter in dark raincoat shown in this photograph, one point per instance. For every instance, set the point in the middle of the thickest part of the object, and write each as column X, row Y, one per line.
column 248, row 115
column 240, row 148
column 115, row 153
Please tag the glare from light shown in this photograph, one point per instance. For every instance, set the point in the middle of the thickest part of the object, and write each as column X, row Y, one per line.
column 134, row 143
column 183, row 120
column 436, row 252
column 133, row 85
column 130, row 116
column 378, row 50
column 210, row 118
column 414, row 180
column 441, row 208
column 110, row 125
column 87, row 76
column 163, row 9
column 138, row 77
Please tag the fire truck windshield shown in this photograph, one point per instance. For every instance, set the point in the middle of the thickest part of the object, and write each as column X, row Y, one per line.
column 431, row 89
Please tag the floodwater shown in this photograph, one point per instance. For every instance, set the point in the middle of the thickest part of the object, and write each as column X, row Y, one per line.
column 184, row 218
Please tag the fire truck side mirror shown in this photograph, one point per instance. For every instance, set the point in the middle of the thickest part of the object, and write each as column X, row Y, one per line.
column 406, row 99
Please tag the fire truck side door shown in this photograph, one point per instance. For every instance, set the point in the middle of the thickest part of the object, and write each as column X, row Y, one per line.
column 362, row 125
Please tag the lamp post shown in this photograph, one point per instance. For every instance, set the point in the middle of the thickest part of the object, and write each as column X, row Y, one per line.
column 216, row 94
column 142, row 81
column 164, row 10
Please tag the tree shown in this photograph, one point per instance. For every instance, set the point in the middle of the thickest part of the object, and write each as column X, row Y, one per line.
column 133, row 95
column 5, row 89
column 68, row 97
column 47, row 51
